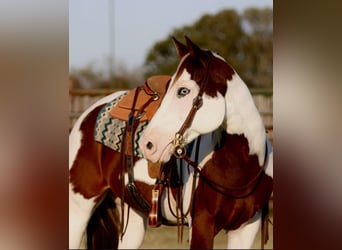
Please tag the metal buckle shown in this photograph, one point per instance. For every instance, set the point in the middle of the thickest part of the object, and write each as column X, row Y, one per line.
column 197, row 102
column 178, row 142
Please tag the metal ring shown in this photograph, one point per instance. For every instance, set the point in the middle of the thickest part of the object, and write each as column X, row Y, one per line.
column 155, row 96
column 179, row 151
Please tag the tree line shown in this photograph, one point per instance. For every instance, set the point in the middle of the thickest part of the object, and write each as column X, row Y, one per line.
column 243, row 39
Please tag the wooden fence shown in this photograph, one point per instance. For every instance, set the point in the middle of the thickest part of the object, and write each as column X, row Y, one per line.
column 81, row 99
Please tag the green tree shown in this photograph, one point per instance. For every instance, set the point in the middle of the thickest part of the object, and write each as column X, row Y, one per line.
column 245, row 41
column 258, row 51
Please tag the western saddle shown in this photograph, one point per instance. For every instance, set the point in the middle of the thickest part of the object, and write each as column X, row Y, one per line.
column 143, row 101
column 139, row 105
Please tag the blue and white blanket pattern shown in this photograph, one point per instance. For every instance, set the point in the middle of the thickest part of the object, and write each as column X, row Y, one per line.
column 109, row 130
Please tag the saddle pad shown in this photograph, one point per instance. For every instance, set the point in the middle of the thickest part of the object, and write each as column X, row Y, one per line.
column 109, row 130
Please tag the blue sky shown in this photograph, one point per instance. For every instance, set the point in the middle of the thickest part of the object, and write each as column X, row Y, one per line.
column 137, row 26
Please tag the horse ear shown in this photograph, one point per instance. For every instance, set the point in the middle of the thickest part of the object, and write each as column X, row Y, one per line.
column 193, row 48
column 182, row 50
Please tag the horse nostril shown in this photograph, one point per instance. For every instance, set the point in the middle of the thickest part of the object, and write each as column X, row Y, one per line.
column 149, row 145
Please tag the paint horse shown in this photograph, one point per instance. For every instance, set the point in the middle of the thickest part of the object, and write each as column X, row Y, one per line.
column 97, row 172
column 235, row 179
column 213, row 194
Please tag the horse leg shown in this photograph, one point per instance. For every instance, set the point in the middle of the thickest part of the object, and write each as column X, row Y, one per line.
column 80, row 210
column 243, row 237
column 202, row 230
column 135, row 228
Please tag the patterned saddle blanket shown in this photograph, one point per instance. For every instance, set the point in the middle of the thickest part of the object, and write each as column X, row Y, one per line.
column 112, row 120
column 110, row 131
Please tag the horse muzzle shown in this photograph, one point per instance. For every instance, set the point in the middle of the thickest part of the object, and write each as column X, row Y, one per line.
column 155, row 150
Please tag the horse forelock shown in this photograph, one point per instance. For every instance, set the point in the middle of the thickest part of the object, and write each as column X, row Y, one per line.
column 208, row 70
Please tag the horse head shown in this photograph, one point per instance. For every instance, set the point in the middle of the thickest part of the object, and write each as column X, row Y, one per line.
column 195, row 103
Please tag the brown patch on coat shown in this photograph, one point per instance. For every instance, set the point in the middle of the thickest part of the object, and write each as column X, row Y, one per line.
column 230, row 166
column 207, row 70
column 97, row 167
column 86, row 174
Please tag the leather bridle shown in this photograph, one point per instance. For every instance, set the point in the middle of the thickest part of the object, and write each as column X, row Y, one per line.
column 178, row 141
column 180, row 149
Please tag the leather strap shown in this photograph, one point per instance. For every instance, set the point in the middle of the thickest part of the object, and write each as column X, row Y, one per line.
column 230, row 191
column 127, row 157
column 131, row 125
column 197, row 103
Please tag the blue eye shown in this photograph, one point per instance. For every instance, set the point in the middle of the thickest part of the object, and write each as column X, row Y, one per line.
column 182, row 92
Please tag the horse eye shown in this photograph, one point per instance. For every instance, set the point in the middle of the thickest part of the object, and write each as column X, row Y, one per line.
column 183, row 92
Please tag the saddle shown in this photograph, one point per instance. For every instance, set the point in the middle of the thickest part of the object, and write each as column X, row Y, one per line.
column 143, row 101
column 136, row 107
column 140, row 104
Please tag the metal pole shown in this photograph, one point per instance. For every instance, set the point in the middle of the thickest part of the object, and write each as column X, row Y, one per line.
column 111, row 39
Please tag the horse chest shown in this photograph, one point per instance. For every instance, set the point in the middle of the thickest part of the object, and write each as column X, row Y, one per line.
column 224, row 212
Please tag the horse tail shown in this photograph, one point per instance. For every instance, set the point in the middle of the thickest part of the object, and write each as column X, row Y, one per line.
column 103, row 226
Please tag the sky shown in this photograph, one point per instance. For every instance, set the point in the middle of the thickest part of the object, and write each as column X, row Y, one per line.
column 127, row 29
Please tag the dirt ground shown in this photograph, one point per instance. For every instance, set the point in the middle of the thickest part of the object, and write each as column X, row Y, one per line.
column 165, row 237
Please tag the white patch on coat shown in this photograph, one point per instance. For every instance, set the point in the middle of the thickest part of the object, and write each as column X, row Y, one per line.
column 243, row 237
column 172, row 113
column 242, row 117
column 136, row 227
column 80, row 210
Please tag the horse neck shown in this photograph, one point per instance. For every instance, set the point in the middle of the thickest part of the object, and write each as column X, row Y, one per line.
column 243, row 118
